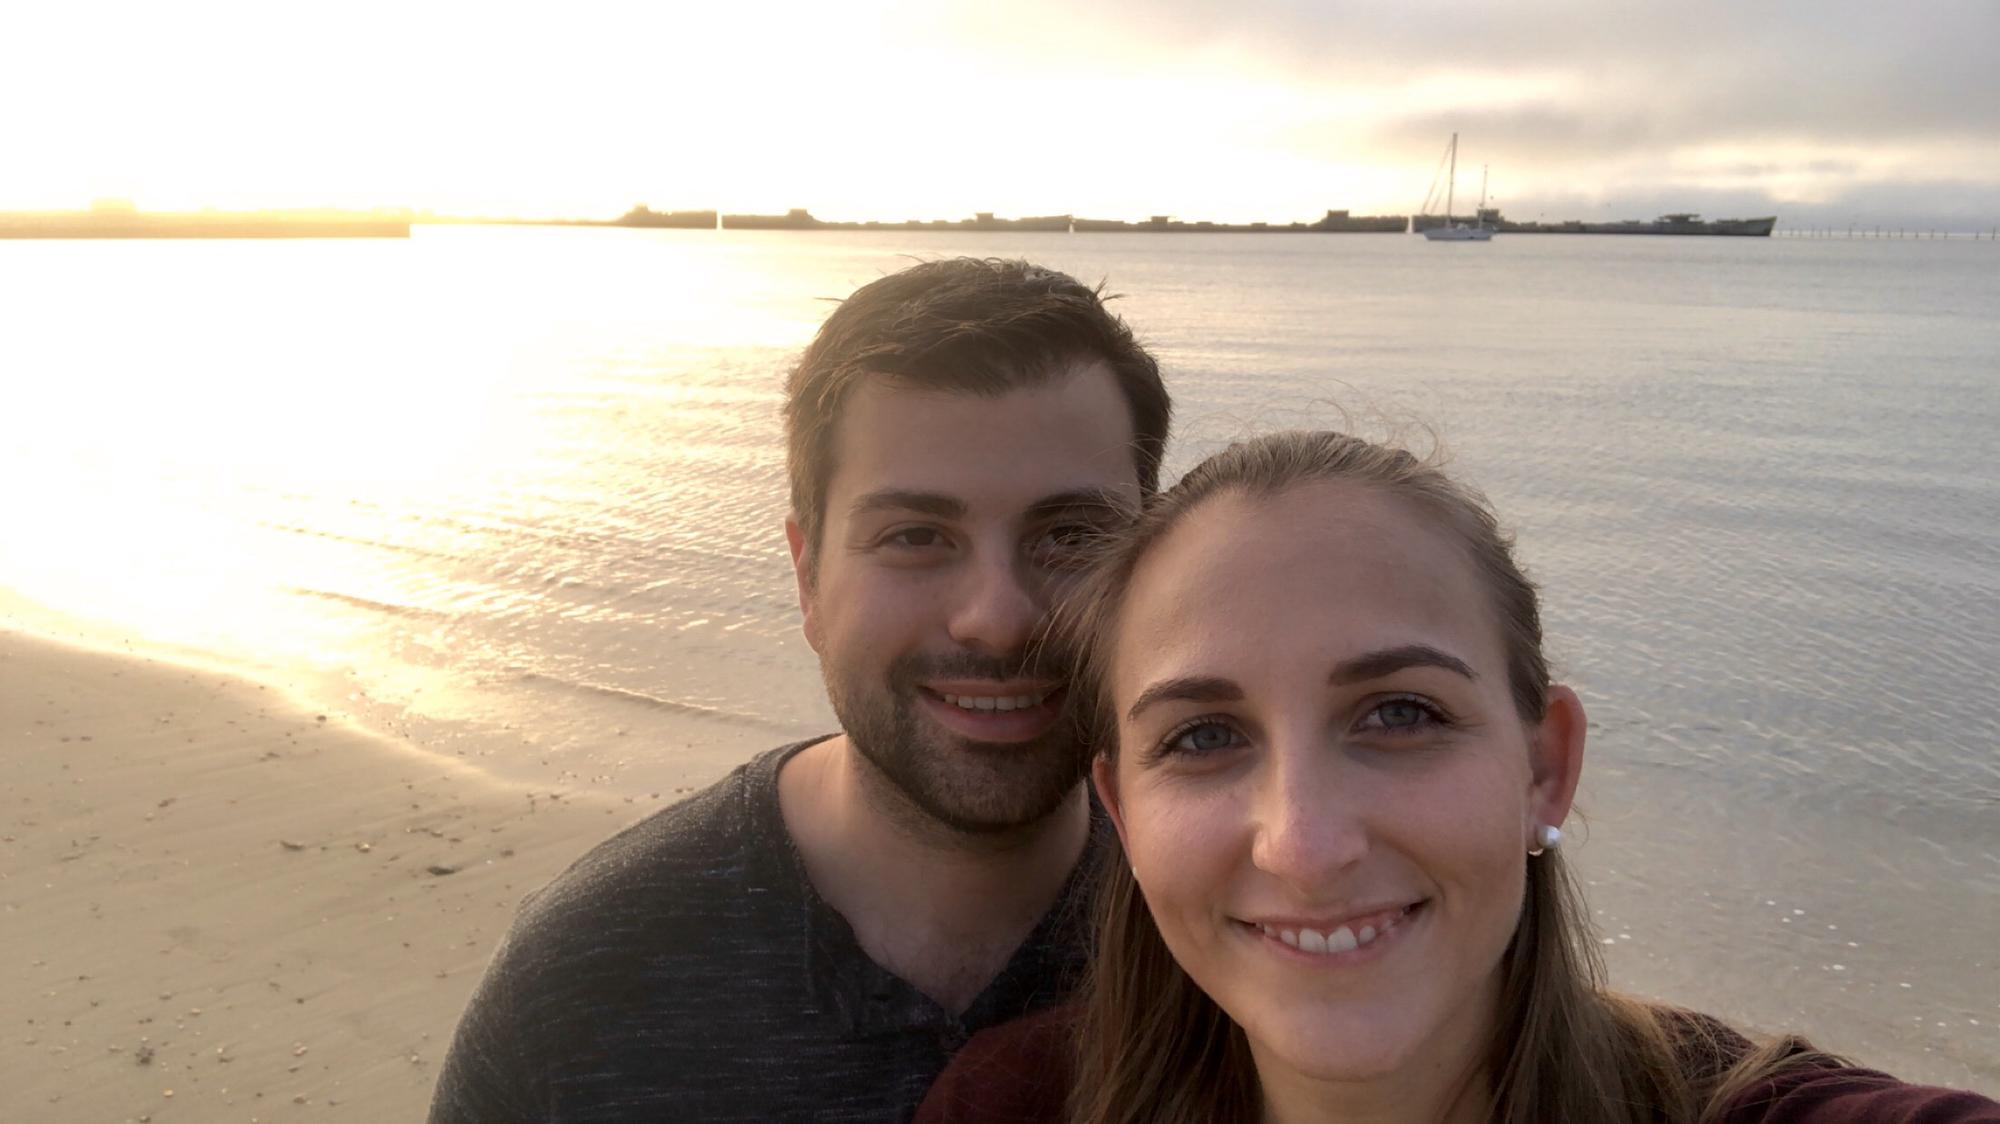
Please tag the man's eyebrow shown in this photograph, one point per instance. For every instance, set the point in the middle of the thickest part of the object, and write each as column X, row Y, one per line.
column 1375, row 665
column 1185, row 688
column 900, row 499
column 1108, row 501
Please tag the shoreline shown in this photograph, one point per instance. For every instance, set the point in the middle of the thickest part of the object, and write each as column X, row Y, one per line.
column 223, row 903
column 227, row 901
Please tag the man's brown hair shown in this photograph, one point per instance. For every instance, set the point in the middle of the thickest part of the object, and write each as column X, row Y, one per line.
column 965, row 325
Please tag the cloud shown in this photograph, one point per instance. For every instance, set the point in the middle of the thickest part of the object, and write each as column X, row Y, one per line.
column 1580, row 107
column 1592, row 80
column 1227, row 109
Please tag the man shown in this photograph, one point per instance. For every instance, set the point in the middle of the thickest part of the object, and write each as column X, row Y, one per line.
column 812, row 937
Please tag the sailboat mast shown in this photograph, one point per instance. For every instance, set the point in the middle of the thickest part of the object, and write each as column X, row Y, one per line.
column 1482, row 187
column 1451, row 179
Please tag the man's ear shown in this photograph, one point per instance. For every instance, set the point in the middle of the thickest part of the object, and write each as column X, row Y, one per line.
column 1104, row 774
column 1557, row 756
column 802, row 570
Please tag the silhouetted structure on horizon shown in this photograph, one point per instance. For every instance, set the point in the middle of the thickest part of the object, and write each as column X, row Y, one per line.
column 1334, row 222
column 645, row 216
column 1677, row 223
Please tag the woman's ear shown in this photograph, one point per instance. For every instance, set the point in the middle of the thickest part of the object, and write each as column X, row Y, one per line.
column 1104, row 775
column 1556, row 756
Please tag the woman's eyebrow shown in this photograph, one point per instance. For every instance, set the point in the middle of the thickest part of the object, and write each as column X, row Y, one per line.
column 1375, row 665
column 1360, row 669
column 1185, row 688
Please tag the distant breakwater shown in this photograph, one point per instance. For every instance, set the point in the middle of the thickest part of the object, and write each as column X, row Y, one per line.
column 1333, row 222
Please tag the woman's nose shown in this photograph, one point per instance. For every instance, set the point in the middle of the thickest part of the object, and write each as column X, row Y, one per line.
column 1310, row 828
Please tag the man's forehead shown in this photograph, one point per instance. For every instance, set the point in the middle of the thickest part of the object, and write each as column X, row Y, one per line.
column 1069, row 434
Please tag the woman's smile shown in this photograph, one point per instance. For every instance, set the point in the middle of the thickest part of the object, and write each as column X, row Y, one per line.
column 1351, row 942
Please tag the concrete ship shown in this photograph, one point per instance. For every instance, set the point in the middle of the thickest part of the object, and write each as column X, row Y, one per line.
column 798, row 218
column 1340, row 222
column 644, row 216
column 1678, row 223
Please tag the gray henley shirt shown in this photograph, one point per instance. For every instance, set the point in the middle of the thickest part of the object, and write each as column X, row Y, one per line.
column 686, row 970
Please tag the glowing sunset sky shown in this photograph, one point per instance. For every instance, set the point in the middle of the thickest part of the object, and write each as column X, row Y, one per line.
column 1821, row 112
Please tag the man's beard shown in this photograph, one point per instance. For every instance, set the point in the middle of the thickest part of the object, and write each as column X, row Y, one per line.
column 971, row 787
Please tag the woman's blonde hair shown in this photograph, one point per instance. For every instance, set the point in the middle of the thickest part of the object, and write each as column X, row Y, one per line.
column 1155, row 1049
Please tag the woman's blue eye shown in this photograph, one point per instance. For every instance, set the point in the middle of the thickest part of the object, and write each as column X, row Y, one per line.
column 1207, row 737
column 1402, row 714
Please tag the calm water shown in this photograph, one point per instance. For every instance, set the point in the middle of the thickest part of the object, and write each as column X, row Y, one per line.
column 518, row 493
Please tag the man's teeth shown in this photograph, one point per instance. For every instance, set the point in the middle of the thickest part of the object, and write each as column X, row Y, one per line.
column 995, row 702
column 1343, row 939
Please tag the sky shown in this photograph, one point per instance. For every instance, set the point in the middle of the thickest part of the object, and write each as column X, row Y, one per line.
column 1826, row 112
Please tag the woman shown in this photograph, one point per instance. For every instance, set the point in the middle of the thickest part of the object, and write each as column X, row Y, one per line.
column 1337, row 769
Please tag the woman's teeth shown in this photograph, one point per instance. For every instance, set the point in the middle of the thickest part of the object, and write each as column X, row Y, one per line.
column 1343, row 939
column 995, row 702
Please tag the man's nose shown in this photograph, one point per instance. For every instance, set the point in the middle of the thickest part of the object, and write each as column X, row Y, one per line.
column 1310, row 828
column 1001, row 603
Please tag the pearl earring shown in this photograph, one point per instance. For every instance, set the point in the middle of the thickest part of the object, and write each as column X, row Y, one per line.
column 1547, row 837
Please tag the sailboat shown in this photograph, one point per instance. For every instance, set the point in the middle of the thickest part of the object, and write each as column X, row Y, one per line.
column 1449, row 231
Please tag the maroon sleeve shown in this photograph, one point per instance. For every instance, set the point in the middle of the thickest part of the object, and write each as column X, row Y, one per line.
column 1016, row 1073
column 1822, row 1095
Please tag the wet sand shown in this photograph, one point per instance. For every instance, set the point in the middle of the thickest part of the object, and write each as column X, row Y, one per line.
column 219, row 905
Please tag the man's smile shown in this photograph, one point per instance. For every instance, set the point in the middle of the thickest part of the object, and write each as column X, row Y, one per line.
column 994, row 711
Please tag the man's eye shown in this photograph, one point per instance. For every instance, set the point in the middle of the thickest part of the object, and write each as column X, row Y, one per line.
column 916, row 538
column 1065, row 544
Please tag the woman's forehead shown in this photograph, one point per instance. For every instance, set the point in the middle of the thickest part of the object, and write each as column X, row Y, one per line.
column 1323, row 567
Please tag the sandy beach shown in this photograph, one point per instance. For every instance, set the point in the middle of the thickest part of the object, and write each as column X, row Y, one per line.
column 225, row 903
column 220, row 905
